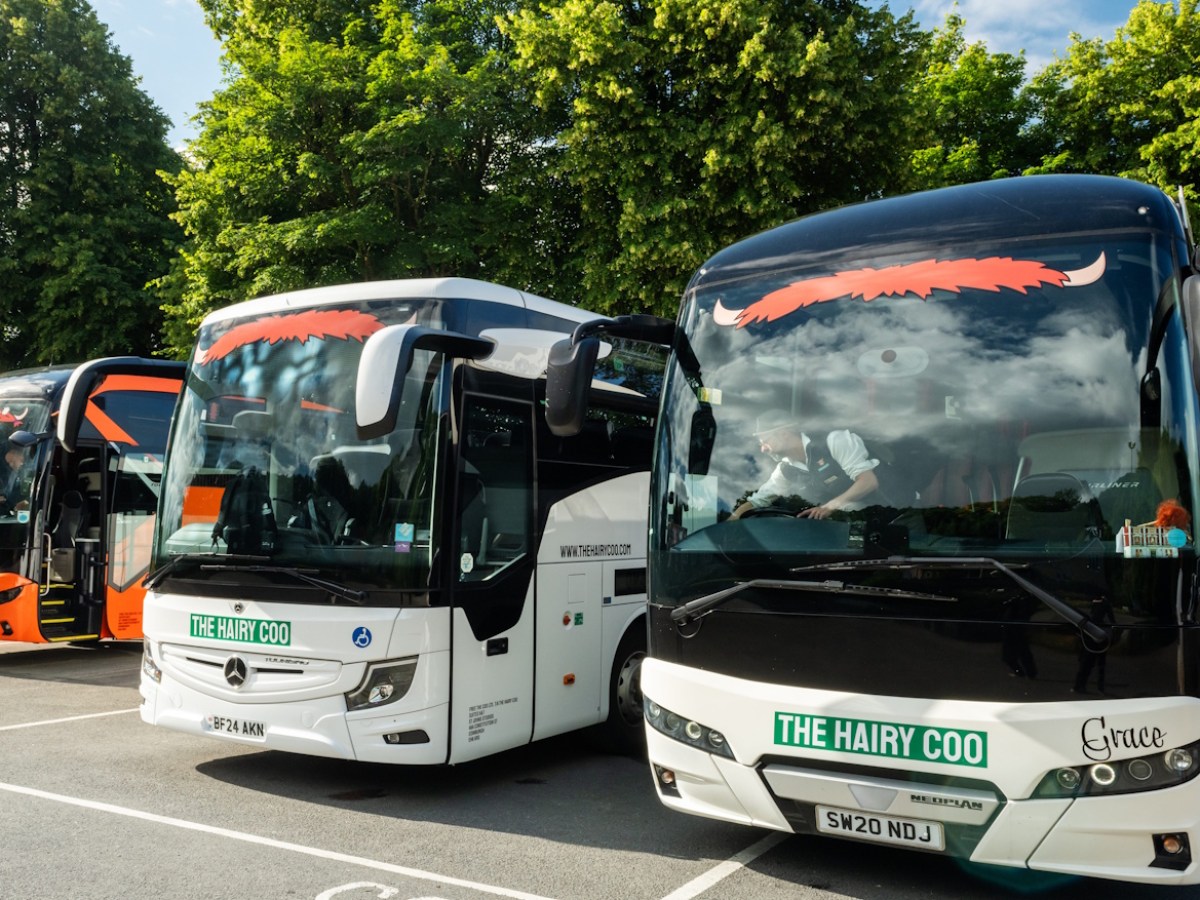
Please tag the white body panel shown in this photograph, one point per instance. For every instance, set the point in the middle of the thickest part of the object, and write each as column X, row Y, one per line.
column 589, row 536
column 493, row 709
column 547, row 674
column 1107, row 837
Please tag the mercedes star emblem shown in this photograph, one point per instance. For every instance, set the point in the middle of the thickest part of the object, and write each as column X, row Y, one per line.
column 236, row 671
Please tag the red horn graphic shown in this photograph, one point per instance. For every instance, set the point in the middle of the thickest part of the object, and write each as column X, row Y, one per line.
column 919, row 279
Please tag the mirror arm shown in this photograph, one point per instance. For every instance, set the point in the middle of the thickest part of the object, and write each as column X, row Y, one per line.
column 640, row 327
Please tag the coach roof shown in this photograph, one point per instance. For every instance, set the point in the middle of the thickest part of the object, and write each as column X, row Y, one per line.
column 400, row 289
column 944, row 220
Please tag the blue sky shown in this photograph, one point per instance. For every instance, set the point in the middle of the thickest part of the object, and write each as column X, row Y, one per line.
column 178, row 59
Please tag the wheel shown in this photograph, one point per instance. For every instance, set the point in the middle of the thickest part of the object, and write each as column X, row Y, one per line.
column 624, row 731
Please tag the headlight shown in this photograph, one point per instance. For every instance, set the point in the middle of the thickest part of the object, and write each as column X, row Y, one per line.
column 149, row 667
column 1142, row 773
column 383, row 683
column 10, row 595
column 686, row 731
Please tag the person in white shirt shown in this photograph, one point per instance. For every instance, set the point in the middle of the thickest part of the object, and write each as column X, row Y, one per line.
column 832, row 472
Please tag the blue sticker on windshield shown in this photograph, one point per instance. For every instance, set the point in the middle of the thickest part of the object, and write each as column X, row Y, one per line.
column 362, row 636
column 404, row 536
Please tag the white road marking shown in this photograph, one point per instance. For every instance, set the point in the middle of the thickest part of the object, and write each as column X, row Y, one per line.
column 699, row 885
column 385, row 892
column 692, row 889
column 404, row 871
column 115, row 712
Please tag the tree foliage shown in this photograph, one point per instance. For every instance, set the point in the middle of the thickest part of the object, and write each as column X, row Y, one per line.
column 359, row 140
column 974, row 112
column 599, row 150
column 692, row 123
column 1131, row 105
column 83, row 215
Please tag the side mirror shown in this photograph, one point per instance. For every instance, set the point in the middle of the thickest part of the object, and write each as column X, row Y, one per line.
column 568, row 378
column 25, row 439
column 386, row 360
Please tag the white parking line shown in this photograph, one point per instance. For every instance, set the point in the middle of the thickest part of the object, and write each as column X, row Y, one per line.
column 692, row 889
column 268, row 842
column 699, row 885
column 115, row 712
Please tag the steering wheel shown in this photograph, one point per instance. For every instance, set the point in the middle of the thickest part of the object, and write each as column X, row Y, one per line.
column 770, row 511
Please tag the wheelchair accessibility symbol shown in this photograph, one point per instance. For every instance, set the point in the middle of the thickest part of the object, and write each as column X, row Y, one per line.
column 362, row 636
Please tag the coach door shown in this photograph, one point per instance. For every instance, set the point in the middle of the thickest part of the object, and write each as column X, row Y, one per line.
column 493, row 636
column 132, row 414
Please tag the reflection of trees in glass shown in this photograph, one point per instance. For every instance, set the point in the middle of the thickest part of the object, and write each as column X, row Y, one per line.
column 633, row 365
column 637, row 370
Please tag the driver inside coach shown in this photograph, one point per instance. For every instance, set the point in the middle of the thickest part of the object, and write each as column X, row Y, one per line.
column 15, row 477
column 829, row 473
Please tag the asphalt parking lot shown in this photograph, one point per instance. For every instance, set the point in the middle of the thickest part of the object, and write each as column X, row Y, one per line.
column 95, row 804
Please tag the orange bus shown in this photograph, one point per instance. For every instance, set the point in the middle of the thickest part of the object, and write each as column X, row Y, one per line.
column 83, row 456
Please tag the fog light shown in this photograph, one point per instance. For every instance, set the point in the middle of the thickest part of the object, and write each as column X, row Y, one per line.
column 1103, row 774
column 665, row 778
column 1172, row 851
column 1068, row 779
column 406, row 737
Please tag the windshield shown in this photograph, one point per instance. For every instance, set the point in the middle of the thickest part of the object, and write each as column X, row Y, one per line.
column 264, row 463
column 134, row 420
column 983, row 404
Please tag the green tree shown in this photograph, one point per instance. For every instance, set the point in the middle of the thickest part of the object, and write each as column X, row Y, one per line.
column 693, row 123
column 1129, row 106
column 364, row 139
column 974, row 112
column 83, row 215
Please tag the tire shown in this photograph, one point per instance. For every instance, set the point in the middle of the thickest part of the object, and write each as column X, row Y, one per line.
column 624, row 731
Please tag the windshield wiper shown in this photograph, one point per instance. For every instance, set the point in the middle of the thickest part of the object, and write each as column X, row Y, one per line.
column 701, row 606
column 176, row 562
column 1087, row 628
column 307, row 576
